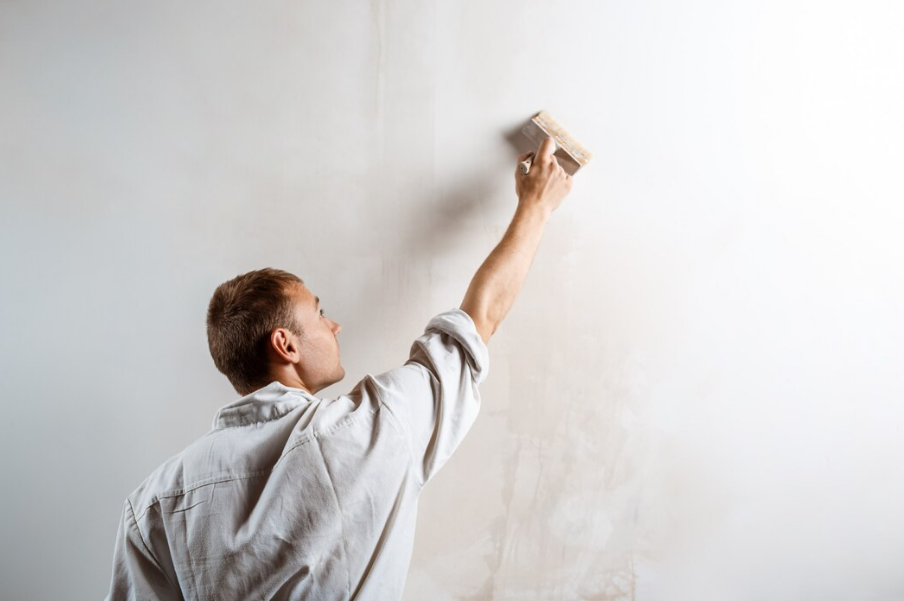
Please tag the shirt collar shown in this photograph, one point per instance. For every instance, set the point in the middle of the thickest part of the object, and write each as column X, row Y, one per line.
column 265, row 404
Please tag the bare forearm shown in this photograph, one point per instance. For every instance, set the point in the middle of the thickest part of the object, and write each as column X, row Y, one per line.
column 499, row 280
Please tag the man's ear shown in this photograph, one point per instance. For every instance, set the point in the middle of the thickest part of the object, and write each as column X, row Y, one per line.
column 283, row 345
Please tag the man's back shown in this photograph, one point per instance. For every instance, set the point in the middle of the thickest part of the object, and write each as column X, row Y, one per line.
column 294, row 497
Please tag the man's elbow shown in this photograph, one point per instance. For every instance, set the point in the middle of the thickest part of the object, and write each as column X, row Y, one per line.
column 485, row 325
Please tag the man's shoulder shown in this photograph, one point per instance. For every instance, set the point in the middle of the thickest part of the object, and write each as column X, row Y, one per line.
column 242, row 452
column 171, row 478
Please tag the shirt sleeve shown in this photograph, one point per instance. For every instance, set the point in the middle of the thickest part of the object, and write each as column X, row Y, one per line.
column 136, row 574
column 435, row 395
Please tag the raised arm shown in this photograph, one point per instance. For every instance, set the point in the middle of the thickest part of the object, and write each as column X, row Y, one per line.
column 499, row 279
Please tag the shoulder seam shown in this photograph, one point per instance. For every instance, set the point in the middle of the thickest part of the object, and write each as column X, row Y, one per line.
column 146, row 547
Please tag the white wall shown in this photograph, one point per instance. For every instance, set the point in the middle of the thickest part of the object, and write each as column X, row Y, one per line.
column 698, row 394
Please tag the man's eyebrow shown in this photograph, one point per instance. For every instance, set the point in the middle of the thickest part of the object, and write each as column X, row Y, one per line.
column 318, row 300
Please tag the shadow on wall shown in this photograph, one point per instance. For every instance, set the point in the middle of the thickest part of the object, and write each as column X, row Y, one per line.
column 437, row 227
column 517, row 140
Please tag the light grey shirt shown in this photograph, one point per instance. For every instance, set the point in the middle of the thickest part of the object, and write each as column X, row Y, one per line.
column 290, row 496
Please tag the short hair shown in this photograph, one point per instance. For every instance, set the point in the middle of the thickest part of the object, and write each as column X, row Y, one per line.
column 240, row 317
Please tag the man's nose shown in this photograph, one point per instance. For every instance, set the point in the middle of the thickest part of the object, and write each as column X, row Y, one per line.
column 337, row 327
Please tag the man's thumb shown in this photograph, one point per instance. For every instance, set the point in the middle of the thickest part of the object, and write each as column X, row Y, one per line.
column 547, row 148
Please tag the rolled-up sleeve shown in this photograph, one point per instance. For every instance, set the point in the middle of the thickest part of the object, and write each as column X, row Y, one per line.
column 435, row 394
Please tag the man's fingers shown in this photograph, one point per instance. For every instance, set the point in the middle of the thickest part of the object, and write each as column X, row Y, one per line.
column 525, row 156
column 547, row 147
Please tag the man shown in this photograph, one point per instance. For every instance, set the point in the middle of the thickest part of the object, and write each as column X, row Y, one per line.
column 290, row 496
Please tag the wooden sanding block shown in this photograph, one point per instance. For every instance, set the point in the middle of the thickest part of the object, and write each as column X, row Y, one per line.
column 571, row 155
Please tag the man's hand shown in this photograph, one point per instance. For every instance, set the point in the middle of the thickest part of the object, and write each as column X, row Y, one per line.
column 499, row 279
column 546, row 184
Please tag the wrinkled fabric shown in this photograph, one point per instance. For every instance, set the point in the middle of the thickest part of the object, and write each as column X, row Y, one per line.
column 290, row 496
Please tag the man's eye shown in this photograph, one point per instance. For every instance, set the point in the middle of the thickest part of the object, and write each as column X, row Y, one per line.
column 321, row 313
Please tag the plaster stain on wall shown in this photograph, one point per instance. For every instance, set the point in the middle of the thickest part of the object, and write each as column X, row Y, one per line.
column 571, row 478
column 619, row 584
column 578, row 520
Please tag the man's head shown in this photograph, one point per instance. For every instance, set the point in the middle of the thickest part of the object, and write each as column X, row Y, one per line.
column 266, row 325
